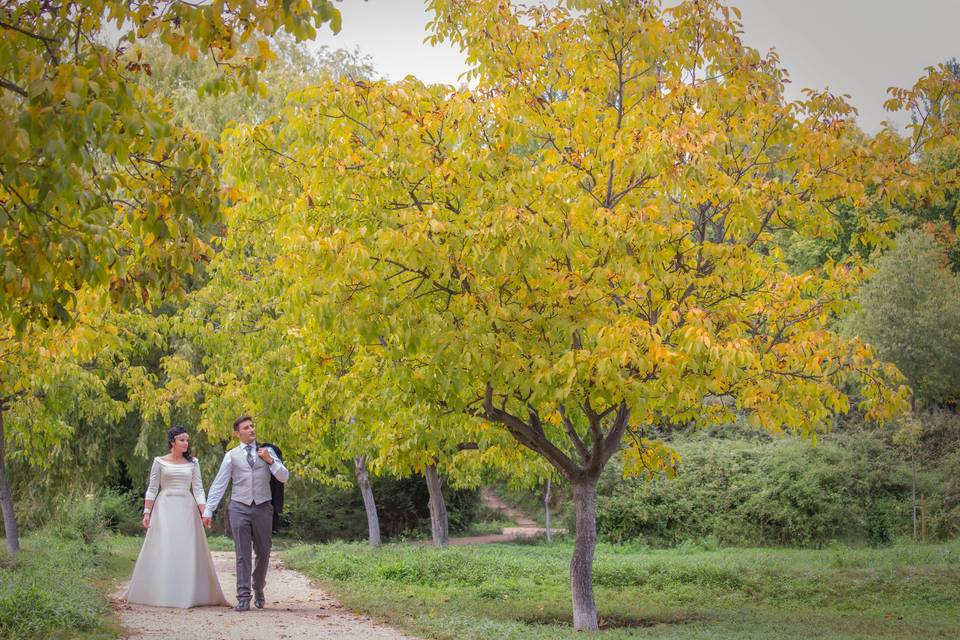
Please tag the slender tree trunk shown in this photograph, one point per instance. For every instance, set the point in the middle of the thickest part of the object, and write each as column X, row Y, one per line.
column 6, row 500
column 369, row 505
column 913, row 466
column 439, row 526
column 546, row 509
column 581, row 565
column 923, row 519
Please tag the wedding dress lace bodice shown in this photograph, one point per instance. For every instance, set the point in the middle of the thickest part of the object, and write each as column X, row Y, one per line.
column 172, row 478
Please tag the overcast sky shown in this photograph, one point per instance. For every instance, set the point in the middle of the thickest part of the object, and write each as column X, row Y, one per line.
column 856, row 47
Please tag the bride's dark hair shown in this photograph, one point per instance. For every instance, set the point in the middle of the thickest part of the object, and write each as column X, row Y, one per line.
column 172, row 433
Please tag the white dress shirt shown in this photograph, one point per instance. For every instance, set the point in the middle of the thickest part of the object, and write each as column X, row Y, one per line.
column 226, row 473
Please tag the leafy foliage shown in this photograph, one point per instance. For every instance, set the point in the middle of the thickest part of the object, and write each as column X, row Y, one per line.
column 593, row 242
column 768, row 492
column 99, row 188
column 910, row 311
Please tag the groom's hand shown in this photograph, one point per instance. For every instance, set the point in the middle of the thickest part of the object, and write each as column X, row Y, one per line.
column 207, row 521
column 264, row 455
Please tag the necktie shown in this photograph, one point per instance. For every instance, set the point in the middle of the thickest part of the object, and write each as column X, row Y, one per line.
column 249, row 456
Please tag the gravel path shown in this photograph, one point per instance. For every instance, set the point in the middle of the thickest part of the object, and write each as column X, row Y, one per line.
column 295, row 611
column 495, row 502
column 526, row 528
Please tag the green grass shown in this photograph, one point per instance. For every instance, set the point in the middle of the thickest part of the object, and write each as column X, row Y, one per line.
column 522, row 591
column 56, row 587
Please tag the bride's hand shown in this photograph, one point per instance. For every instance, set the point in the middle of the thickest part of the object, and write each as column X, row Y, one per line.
column 146, row 521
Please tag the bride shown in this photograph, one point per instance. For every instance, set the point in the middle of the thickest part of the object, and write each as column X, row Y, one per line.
column 174, row 568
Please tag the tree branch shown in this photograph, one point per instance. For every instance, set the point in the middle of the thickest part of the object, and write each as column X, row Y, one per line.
column 10, row 86
column 574, row 436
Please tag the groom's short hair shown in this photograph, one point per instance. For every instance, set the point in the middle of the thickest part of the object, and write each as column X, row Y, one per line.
column 239, row 421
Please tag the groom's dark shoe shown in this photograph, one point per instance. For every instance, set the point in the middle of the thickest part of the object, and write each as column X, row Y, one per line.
column 243, row 604
column 259, row 599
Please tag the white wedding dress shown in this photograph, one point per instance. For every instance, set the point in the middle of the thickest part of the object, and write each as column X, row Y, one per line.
column 174, row 568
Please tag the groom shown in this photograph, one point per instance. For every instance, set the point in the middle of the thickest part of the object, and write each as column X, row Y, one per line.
column 250, row 510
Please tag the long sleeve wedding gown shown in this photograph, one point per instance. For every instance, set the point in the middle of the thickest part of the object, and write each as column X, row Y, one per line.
column 174, row 568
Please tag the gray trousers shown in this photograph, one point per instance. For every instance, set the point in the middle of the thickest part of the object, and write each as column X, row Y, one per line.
column 252, row 527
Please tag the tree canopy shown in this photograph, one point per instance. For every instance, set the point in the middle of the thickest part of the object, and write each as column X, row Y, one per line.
column 579, row 250
column 910, row 310
column 99, row 188
column 104, row 201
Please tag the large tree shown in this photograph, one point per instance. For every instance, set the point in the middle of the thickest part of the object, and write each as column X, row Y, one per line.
column 100, row 193
column 578, row 250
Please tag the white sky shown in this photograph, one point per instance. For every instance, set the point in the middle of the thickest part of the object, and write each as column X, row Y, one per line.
column 855, row 47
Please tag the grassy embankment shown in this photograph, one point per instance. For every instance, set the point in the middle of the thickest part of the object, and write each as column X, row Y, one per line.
column 521, row 591
column 57, row 586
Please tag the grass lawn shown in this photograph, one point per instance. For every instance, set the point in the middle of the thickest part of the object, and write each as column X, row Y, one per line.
column 56, row 587
column 522, row 590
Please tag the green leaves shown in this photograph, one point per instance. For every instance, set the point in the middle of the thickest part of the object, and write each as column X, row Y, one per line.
column 98, row 188
column 910, row 310
column 589, row 227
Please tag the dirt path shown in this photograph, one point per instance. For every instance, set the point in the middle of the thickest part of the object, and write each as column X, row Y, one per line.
column 295, row 611
column 495, row 502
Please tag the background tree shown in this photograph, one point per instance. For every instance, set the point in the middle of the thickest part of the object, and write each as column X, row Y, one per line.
column 192, row 85
column 45, row 389
column 620, row 280
column 100, row 192
column 98, row 187
column 910, row 311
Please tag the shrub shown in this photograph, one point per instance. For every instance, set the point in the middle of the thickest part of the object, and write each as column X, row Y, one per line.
column 764, row 491
column 87, row 516
column 943, row 501
column 120, row 511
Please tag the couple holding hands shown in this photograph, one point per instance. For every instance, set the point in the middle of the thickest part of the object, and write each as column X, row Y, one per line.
column 174, row 568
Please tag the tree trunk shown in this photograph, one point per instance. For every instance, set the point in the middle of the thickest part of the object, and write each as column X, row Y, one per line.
column 923, row 519
column 913, row 466
column 369, row 505
column 439, row 526
column 546, row 509
column 581, row 565
column 6, row 500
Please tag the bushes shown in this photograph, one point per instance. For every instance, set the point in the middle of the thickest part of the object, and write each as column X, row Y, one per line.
column 944, row 518
column 804, row 495
column 44, row 588
column 87, row 516
column 762, row 491
column 82, row 514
